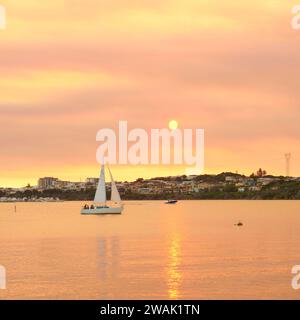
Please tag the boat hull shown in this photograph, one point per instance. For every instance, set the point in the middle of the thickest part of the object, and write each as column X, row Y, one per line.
column 171, row 202
column 103, row 210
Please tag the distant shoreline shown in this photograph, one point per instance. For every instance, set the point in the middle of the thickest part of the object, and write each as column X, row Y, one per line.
column 224, row 186
column 160, row 201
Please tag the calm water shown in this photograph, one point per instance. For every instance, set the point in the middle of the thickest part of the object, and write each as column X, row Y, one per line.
column 191, row 250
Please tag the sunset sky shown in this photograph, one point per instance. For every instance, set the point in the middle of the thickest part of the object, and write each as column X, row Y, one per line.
column 69, row 68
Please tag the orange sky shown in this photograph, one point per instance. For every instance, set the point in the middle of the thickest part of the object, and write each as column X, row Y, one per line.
column 69, row 68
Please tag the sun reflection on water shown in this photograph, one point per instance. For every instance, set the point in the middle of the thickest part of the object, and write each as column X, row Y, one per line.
column 173, row 268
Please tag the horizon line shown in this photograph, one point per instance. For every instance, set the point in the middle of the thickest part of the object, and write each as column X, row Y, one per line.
column 152, row 178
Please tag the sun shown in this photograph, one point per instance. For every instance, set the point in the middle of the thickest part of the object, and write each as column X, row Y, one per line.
column 173, row 125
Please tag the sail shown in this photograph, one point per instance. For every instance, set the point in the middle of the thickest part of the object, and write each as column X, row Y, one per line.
column 115, row 196
column 100, row 195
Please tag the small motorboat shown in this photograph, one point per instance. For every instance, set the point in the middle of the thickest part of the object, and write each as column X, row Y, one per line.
column 239, row 224
column 171, row 201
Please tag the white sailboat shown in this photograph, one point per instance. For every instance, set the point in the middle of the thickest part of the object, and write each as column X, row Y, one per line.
column 100, row 205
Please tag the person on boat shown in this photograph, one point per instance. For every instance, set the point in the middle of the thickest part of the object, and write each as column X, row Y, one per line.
column 92, row 207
